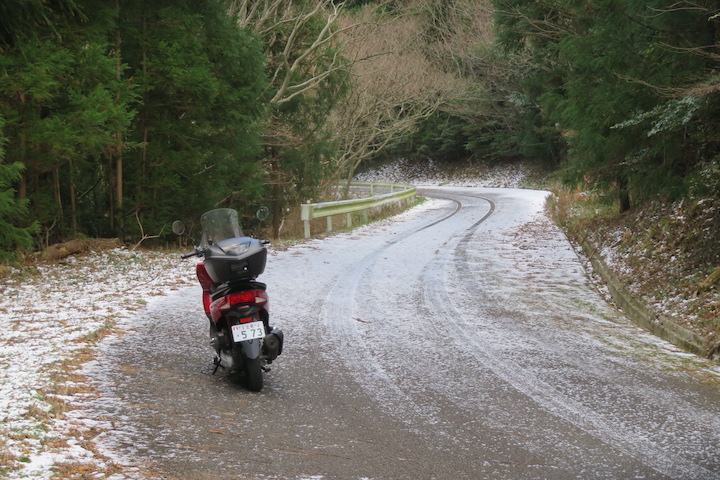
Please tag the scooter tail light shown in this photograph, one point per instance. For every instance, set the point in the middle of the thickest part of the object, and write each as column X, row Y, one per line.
column 248, row 296
column 236, row 298
column 261, row 298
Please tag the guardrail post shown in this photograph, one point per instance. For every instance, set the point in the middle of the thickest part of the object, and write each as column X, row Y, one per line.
column 329, row 224
column 305, row 215
column 348, row 220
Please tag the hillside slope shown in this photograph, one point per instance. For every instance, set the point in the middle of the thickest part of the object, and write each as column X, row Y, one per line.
column 666, row 255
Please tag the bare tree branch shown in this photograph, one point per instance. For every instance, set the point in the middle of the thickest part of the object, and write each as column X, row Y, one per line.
column 395, row 87
column 142, row 232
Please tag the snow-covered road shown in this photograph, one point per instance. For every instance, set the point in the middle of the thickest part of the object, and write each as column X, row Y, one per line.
column 459, row 340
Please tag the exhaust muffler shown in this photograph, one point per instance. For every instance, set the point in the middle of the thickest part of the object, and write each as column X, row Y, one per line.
column 273, row 344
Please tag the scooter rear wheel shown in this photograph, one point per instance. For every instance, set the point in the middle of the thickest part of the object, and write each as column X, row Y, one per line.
column 253, row 374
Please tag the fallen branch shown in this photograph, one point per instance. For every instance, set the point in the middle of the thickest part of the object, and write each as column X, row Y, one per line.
column 142, row 232
column 59, row 251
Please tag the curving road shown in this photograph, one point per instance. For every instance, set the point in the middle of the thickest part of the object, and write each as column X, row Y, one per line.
column 462, row 340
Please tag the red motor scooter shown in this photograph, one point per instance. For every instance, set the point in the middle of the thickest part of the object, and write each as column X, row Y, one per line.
column 236, row 304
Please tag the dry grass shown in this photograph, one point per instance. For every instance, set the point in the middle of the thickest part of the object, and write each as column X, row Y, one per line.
column 6, row 458
column 83, row 471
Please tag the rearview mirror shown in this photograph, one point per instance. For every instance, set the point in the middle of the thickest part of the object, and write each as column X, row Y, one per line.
column 262, row 213
column 178, row 227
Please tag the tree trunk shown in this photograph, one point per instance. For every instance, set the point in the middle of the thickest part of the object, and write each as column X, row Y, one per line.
column 58, row 196
column 118, row 135
column 22, row 187
column 624, row 195
column 277, row 196
column 111, row 193
column 119, row 181
column 73, row 199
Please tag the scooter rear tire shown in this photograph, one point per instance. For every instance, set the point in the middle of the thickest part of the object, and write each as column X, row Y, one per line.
column 253, row 374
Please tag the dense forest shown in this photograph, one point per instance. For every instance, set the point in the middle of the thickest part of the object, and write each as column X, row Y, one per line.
column 118, row 116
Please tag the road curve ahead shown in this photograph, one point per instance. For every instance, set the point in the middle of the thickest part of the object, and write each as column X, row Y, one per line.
column 460, row 340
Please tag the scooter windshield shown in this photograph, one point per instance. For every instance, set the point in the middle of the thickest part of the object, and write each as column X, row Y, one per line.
column 218, row 225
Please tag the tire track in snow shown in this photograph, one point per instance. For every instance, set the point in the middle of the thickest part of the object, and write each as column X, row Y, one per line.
column 491, row 357
column 338, row 311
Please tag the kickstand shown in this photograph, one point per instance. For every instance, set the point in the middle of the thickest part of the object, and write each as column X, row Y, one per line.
column 218, row 364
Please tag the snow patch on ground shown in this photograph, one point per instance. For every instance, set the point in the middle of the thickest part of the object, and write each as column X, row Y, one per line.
column 48, row 315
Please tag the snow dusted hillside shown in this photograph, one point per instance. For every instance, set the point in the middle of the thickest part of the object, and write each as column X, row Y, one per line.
column 456, row 175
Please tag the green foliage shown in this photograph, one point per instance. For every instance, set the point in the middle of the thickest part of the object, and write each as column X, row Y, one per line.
column 620, row 82
column 18, row 17
column 12, row 232
column 704, row 182
column 201, row 81
column 62, row 102
column 442, row 137
column 118, row 118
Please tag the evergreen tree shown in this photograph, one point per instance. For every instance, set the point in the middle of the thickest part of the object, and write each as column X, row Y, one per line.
column 62, row 101
column 12, row 233
column 608, row 77
column 201, row 82
column 118, row 111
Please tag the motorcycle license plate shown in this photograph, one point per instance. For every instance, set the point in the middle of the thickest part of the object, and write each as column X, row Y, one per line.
column 248, row 331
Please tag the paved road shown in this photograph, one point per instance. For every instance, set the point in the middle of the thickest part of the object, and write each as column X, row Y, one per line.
column 462, row 342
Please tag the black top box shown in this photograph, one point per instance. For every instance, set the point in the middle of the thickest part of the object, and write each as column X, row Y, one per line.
column 238, row 258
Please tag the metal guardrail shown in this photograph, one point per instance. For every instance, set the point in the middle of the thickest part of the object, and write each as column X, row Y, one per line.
column 398, row 193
